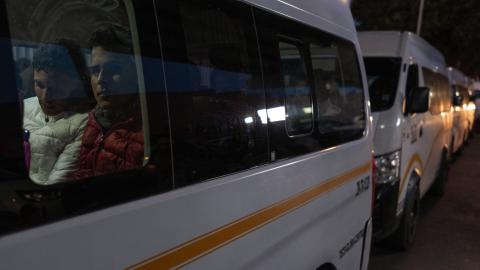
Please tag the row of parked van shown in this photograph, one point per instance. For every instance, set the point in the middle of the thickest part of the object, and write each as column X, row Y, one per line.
column 423, row 114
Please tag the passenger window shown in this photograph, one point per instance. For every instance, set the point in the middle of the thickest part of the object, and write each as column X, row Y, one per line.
column 325, row 68
column 299, row 111
column 412, row 81
column 431, row 81
column 82, row 107
column 445, row 94
column 440, row 97
column 339, row 92
column 218, row 117
column 85, row 125
column 464, row 93
column 382, row 74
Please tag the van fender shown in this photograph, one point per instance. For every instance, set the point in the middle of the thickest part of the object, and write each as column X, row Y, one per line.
column 413, row 181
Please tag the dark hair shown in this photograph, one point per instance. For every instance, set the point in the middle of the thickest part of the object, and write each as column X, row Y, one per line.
column 22, row 64
column 112, row 37
column 64, row 55
column 59, row 55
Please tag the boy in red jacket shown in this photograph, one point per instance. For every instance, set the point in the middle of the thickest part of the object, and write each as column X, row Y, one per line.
column 113, row 138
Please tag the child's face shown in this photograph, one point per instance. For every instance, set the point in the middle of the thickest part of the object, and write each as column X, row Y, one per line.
column 53, row 90
column 113, row 78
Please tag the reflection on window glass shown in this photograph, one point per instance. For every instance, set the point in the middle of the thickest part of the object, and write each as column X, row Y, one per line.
column 440, row 93
column 462, row 91
column 298, row 105
column 412, row 82
column 82, row 115
column 217, row 121
column 328, row 80
column 338, row 91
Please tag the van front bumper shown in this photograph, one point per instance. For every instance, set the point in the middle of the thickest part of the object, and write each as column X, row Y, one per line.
column 385, row 220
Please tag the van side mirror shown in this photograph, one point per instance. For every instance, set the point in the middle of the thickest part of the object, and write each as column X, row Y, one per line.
column 419, row 100
column 457, row 100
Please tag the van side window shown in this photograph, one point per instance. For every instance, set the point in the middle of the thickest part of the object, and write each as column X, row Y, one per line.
column 81, row 80
column 79, row 84
column 464, row 93
column 332, row 78
column 338, row 91
column 382, row 75
column 412, row 80
column 440, row 100
column 298, row 96
column 214, row 88
column 445, row 93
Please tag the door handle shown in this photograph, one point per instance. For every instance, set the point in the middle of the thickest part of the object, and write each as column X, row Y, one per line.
column 421, row 131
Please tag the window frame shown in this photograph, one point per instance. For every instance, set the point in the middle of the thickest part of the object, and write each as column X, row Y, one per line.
column 305, row 56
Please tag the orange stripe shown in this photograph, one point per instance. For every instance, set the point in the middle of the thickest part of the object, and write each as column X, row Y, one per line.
column 200, row 246
column 416, row 158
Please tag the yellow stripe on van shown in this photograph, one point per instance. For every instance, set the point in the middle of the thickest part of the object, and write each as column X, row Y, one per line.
column 416, row 158
column 202, row 245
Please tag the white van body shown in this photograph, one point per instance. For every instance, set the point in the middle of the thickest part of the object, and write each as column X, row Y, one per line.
column 476, row 97
column 417, row 140
column 304, row 212
column 472, row 106
column 463, row 113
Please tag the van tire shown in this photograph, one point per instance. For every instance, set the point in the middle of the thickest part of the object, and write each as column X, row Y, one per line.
column 402, row 239
column 438, row 187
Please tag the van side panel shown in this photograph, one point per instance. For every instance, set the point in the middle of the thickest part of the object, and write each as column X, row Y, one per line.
column 294, row 213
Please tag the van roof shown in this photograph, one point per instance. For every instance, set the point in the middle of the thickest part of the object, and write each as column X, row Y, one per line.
column 333, row 16
column 401, row 44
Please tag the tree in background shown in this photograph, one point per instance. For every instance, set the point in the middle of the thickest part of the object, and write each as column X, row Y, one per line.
column 451, row 26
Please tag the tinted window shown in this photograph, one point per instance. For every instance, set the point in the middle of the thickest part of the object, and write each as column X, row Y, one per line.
column 333, row 74
column 383, row 74
column 440, row 95
column 299, row 112
column 338, row 91
column 82, row 83
column 412, row 83
column 462, row 91
column 214, row 88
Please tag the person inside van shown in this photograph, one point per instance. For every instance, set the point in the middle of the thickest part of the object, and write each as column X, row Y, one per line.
column 113, row 138
column 56, row 116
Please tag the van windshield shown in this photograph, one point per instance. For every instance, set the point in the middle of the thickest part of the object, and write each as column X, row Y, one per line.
column 382, row 73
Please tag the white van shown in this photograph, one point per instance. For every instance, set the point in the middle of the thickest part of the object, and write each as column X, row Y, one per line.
column 410, row 100
column 463, row 113
column 213, row 134
column 476, row 102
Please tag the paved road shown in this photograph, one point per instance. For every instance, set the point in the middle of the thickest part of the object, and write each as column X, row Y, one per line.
column 448, row 235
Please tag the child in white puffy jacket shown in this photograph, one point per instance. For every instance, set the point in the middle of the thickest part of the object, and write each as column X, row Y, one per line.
column 56, row 116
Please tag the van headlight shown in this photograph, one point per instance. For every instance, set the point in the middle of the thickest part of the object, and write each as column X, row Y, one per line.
column 387, row 168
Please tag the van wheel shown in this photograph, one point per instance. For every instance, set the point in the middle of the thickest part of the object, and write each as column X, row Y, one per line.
column 438, row 187
column 402, row 239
